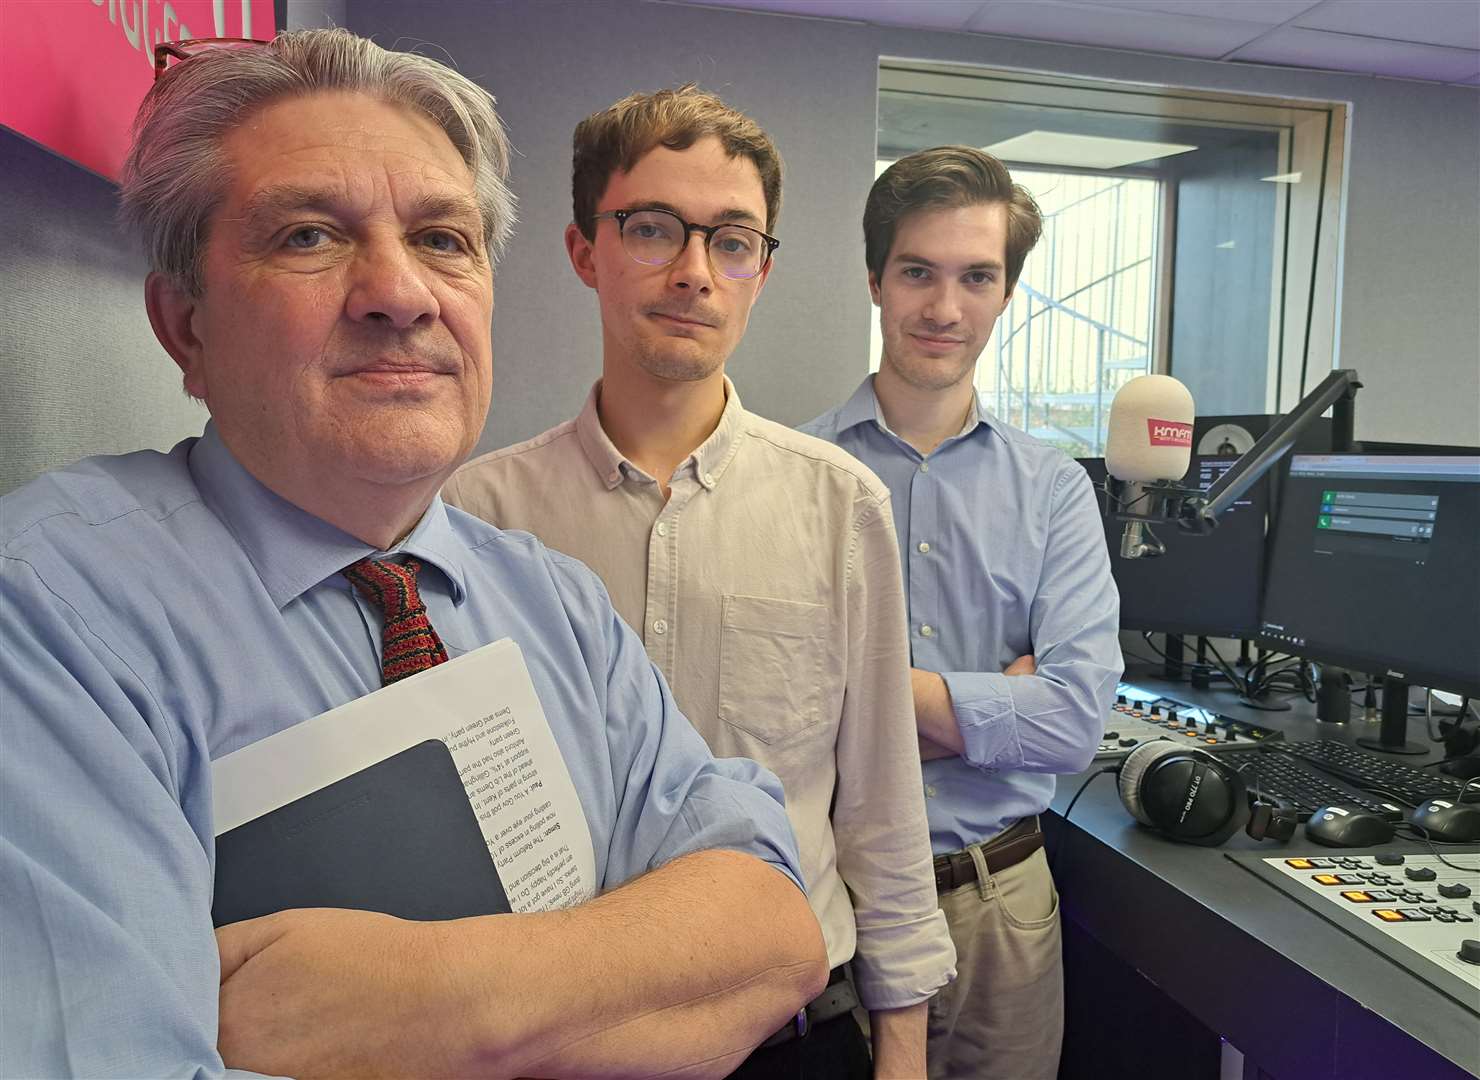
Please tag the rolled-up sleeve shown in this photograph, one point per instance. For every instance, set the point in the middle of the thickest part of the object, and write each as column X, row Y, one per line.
column 1051, row 721
column 904, row 952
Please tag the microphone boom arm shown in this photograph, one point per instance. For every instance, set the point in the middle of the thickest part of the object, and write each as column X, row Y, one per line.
column 1338, row 391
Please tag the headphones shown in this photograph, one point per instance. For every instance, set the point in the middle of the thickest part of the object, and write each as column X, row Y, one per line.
column 1187, row 794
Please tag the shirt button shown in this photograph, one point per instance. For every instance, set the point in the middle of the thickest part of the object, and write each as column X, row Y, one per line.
column 661, row 626
column 924, row 466
column 924, row 547
column 926, row 630
column 709, row 479
column 662, row 528
column 930, row 791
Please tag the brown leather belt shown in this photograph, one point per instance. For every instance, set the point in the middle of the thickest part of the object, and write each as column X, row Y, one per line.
column 1007, row 848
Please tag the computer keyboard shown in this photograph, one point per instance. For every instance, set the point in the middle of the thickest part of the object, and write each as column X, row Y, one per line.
column 1295, row 785
column 1370, row 772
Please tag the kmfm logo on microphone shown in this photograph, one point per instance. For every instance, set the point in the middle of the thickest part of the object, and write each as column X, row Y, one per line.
column 1169, row 433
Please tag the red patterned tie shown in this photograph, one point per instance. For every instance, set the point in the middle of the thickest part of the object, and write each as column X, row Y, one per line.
column 409, row 644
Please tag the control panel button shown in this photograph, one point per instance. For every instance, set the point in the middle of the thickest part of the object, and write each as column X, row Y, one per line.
column 1469, row 951
column 1455, row 890
column 1387, row 858
column 1419, row 873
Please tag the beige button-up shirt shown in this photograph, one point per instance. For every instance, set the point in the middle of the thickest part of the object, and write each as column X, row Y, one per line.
column 767, row 589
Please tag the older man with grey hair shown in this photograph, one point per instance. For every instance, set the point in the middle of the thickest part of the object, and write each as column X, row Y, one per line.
column 322, row 217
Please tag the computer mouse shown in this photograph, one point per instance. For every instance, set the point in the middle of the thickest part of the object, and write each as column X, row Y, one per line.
column 1448, row 819
column 1347, row 826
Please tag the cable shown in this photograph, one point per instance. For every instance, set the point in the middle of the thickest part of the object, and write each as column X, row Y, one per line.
column 1427, row 839
column 1146, row 637
column 1234, row 679
column 1054, row 862
column 1423, row 834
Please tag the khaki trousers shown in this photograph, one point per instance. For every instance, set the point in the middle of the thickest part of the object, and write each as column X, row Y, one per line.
column 1003, row 1017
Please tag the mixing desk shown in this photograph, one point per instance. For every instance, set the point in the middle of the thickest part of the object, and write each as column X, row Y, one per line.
column 1141, row 716
column 1414, row 909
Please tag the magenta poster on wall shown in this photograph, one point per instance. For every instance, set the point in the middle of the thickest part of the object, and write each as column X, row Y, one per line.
column 72, row 72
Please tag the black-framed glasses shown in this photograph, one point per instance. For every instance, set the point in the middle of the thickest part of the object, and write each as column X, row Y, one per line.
column 657, row 237
column 166, row 51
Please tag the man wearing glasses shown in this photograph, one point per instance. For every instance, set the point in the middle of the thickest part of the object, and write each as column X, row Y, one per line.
column 759, row 564
column 322, row 217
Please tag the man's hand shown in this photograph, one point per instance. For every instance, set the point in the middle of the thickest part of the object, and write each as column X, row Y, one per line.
column 681, row 972
column 899, row 1042
column 935, row 716
column 306, row 994
column 930, row 751
column 1023, row 665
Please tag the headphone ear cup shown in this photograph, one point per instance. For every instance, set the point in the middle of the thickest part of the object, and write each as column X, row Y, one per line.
column 1133, row 771
column 1271, row 821
column 1183, row 792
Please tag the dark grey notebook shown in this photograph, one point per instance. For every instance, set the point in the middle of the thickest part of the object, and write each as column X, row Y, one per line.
column 398, row 837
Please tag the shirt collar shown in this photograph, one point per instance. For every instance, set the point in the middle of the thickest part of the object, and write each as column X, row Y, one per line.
column 863, row 407
column 291, row 549
column 710, row 460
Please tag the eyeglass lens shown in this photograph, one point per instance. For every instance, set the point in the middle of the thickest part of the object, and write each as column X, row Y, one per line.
column 657, row 237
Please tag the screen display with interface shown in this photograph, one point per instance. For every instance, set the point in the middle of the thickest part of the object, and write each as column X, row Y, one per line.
column 1375, row 565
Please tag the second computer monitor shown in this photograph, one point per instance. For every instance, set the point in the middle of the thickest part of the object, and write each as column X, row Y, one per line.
column 1375, row 566
column 1207, row 585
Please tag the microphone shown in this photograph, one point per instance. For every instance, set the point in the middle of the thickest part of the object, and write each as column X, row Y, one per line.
column 1147, row 452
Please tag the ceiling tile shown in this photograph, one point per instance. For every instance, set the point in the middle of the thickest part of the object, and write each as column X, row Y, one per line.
column 1117, row 28
column 922, row 14
column 1295, row 47
column 1454, row 23
column 1265, row 12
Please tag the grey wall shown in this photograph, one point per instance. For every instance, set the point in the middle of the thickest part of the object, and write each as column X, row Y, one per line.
column 1412, row 260
column 80, row 371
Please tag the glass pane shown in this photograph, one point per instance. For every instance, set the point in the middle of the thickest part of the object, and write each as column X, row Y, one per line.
column 1186, row 231
column 1080, row 322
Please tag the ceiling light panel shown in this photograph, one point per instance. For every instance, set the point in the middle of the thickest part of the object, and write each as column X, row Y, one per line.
column 1082, row 151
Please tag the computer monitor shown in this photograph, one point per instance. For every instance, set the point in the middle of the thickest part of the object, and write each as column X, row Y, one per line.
column 1375, row 566
column 1207, row 585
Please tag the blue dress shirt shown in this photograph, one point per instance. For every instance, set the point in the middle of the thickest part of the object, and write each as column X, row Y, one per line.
column 159, row 611
column 1004, row 555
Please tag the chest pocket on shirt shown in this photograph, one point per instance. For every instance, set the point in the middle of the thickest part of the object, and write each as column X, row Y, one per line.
column 770, row 665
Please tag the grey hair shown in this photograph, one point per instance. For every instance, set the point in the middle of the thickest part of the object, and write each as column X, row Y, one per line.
column 176, row 170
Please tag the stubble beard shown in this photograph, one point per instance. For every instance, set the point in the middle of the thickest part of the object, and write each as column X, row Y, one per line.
column 672, row 366
column 931, row 375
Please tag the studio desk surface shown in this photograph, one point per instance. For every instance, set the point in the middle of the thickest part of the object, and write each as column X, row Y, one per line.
column 1296, row 994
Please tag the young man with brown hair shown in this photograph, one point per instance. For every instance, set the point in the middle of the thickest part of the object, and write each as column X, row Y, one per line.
column 1012, row 611
column 759, row 565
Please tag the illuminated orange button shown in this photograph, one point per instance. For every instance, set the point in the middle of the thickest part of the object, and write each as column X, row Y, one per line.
column 1356, row 896
column 1326, row 879
column 1211, row 739
column 1298, row 864
column 1389, row 915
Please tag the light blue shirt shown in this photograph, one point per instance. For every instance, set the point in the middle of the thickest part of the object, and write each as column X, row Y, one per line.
column 159, row 611
column 1004, row 555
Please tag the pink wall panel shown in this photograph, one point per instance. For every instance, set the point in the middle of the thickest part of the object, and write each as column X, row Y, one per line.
column 72, row 72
